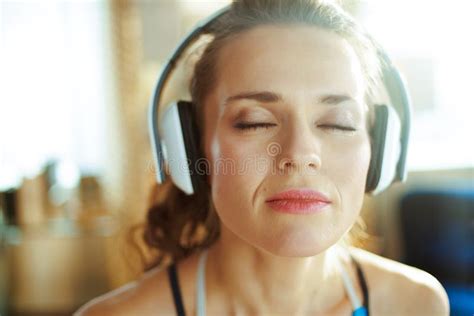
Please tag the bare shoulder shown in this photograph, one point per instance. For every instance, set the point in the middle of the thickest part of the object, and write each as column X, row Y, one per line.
column 395, row 287
column 149, row 295
column 144, row 296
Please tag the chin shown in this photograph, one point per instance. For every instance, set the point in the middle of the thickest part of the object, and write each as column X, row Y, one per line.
column 299, row 243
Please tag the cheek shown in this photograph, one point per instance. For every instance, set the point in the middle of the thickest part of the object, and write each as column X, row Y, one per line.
column 237, row 167
column 348, row 170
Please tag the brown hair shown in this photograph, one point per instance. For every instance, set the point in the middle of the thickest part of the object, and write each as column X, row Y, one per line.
column 177, row 224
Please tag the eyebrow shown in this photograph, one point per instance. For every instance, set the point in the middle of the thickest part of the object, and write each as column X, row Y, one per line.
column 270, row 97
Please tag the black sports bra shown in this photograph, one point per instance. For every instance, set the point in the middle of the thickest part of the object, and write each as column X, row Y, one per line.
column 178, row 301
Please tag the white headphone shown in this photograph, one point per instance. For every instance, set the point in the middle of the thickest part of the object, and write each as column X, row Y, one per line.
column 178, row 148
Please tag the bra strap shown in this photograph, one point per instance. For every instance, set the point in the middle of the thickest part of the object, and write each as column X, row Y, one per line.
column 174, row 281
column 360, row 309
column 362, row 282
column 351, row 293
column 201, row 285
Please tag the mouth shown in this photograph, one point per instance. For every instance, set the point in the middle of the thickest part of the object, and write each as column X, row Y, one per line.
column 298, row 201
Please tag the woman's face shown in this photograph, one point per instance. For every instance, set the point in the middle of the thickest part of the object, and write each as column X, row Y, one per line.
column 298, row 81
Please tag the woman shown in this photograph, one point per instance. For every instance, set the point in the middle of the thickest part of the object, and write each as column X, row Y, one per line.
column 282, row 97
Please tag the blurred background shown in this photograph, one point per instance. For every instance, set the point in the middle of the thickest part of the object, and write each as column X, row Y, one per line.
column 76, row 168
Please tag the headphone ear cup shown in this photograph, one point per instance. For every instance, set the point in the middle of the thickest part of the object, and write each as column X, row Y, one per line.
column 377, row 134
column 181, row 146
column 386, row 148
column 198, row 166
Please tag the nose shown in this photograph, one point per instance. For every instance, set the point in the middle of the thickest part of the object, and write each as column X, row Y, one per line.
column 300, row 149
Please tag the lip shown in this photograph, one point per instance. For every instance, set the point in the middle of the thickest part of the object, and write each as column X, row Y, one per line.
column 298, row 201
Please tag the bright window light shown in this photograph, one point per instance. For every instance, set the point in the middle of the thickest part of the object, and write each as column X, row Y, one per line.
column 52, row 85
column 431, row 42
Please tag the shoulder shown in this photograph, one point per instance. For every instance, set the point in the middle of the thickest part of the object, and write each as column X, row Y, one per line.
column 149, row 295
column 394, row 286
column 144, row 296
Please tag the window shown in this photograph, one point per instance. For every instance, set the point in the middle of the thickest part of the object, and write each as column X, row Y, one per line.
column 431, row 42
column 52, row 100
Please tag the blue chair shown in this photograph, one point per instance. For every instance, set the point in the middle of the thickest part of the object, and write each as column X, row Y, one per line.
column 438, row 236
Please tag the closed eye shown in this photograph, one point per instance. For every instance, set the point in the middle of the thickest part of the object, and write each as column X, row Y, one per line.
column 253, row 126
column 338, row 127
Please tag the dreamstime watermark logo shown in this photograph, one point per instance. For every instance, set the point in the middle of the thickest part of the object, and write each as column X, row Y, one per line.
column 273, row 149
column 250, row 165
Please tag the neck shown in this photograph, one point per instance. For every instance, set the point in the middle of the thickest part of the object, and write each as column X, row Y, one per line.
column 253, row 281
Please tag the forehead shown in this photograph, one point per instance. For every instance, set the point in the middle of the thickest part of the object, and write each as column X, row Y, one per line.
column 289, row 59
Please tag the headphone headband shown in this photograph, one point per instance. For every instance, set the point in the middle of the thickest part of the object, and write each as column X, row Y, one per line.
column 391, row 78
column 400, row 100
column 156, row 98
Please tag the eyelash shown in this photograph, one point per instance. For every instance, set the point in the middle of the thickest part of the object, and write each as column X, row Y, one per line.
column 339, row 127
column 254, row 126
